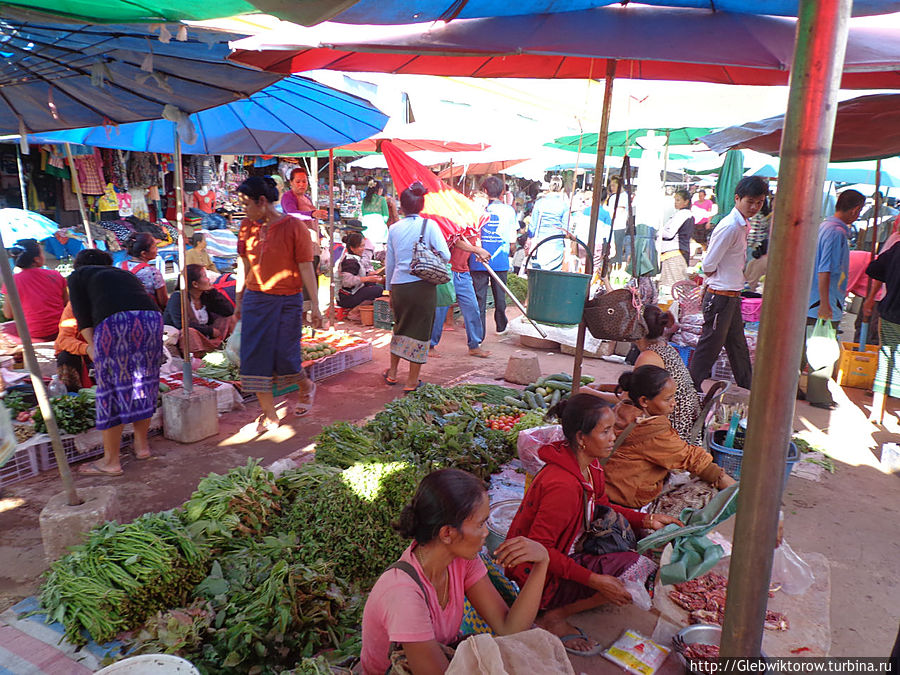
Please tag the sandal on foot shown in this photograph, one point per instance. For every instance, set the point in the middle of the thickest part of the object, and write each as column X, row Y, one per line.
column 580, row 635
column 407, row 390
column 94, row 469
column 389, row 381
column 300, row 409
column 263, row 424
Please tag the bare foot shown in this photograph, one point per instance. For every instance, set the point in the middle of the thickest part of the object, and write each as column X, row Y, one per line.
column 562, row 628
column 264, row 424
column 479, row 352
column 142, row 454
column 432, row 354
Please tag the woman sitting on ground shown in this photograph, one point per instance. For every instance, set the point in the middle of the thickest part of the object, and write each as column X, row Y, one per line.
column 636, row 472
column 210, row 314
column 555, row 513
column 417, row 604
column 42, row 293
column 143, row 251
column 360, row 283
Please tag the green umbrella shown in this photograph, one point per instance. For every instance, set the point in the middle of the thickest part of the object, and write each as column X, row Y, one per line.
column 136, row 11
column 731, row 172
column 620, row 140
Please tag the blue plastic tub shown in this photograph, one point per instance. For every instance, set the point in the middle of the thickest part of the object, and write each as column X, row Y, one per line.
column 730, row 458
column 684, row 352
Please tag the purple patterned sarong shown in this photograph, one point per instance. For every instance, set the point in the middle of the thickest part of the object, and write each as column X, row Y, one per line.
column 128, row 354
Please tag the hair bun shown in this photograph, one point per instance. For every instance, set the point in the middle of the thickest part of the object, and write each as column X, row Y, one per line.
column 418, row 189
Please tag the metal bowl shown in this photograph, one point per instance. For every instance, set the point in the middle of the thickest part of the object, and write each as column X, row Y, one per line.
column 699, row 633
column 499, row 520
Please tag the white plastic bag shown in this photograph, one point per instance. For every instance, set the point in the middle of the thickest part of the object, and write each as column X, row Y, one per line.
column 822, row 348
column 530, row 441
column 233, row 345
column 789, row 570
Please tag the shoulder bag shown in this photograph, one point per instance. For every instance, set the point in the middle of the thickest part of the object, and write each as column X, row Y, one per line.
column 617, row 315
column 426, row 264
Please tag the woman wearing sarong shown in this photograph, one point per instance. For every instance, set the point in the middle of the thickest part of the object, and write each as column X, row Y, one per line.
column 885, row 270
column 275, row 263
column 412, row 299
column 123, row 329
column 210, row 313
column 563, row 501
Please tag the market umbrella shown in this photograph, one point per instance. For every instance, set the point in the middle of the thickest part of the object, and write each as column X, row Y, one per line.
column 294, row 115
column 840, row 174
column 18, row 224
column 648, row 43
column 626, row 140
column 729, row 175
column 478, row 168
column 133, row 11
column 66, row 76
column 867, row 127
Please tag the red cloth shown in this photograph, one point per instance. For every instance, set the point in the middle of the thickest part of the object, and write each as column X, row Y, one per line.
column 454, row 213
column 857, row 279
column 553, row 513
column 42, row 293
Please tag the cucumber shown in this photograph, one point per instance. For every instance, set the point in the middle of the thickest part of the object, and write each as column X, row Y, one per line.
column 542, row 404
column 540, row 381
column 557, row 394
column 541, row 391
column 560, row 377
column 532, row 400
column 559, row 386
column 587, row 379
column 516, row 403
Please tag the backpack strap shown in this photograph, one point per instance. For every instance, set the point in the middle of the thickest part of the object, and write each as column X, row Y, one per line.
column 411, row 571
column 124, row 265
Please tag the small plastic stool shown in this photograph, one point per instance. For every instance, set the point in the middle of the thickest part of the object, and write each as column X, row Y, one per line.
column 340, row 313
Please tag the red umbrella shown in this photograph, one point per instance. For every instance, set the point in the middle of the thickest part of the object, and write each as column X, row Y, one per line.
column 454, row 213
column 867, row 127
column 649, row 43
column 414, row 145
column 478, row 168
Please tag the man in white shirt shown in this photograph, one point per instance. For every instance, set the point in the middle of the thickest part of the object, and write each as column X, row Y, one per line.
column 723, row 266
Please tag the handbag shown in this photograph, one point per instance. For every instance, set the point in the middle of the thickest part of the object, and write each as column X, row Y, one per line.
column 609, row 532
column 446, row 294
column 617, row 315
column 426, row 264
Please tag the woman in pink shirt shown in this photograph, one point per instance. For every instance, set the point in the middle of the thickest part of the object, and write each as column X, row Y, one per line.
column 43, row 294
column 417, row 604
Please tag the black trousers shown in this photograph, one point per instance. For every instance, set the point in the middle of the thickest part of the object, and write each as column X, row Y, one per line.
column 723, row 326
column 368, row 292
column 480, row 281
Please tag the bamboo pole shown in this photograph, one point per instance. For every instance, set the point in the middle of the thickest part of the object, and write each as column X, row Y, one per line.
column 12, row 296
column 805, row 148
column 602, row 140
column 78, row 195
column 876, row 412
column 21, row 178
column 178, row 185
column 331, row 310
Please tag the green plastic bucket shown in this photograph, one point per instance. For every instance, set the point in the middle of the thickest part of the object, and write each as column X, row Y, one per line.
column 556, row 297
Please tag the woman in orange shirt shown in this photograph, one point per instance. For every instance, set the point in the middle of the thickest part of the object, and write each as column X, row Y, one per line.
column 275, row 263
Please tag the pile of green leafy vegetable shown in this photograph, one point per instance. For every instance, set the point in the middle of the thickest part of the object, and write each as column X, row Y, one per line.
column 74, row 414
column 17, row 401
column 216, row 366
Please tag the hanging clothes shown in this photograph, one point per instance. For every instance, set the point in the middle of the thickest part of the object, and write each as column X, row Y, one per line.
column 143, row 170
column 205, row 200
column 90, row 173
column 139, row 203
column 69, row 198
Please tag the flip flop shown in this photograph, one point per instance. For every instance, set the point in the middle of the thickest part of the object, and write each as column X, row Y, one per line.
column 300, row 409
column 580, row 635
column 388, row 380
column 142, row 458
column 93, row 469
column 409, row 391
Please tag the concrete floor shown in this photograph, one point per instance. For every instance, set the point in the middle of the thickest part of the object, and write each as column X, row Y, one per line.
column 849, row 517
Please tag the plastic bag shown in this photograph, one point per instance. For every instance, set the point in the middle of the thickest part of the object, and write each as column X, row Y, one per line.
column 530, row 441
column 531, row 651
column 7, row 436
column 233, row 346
column 822, row 348
column 789, row 570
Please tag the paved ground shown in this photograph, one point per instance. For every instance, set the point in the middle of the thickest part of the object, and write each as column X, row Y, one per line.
column 850, row 517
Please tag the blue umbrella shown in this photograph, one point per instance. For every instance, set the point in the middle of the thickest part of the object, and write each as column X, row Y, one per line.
column 294, row 115
column 18, row 224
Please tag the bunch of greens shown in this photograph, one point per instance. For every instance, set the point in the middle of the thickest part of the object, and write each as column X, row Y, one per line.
column 17, row 401
column 518, row 286
column 237, row 504
column 121, row 575
column 216, row 366
column 74, row 414
column 176, row 631
column 272, row 610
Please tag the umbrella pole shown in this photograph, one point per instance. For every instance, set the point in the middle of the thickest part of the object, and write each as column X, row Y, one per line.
column 821, row 42
column 77, row 185
column 12, row 296
column 331, row 311
column 665, row 176
column 178, row 184
column 602, row 139
column 21, row 177
column 876, row 414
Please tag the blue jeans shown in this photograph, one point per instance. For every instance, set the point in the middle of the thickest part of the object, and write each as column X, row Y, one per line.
column 468, row 305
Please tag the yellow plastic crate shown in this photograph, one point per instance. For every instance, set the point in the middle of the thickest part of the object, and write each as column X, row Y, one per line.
column 857, row 369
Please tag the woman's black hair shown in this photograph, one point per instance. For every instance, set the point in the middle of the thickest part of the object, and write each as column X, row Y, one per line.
column 92, row 256
column 581, row 413
column 260, row 186
column 685, row 195
column 196, row 238
column 646, row 381
column 29, row 250
column 194, row 273
column 657, row 320
column 412, row 199
column 353, row 239
column 140, row 242
column 372, row 191
column 444, row 497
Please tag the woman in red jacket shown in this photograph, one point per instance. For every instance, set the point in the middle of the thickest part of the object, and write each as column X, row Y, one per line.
column 555, row 511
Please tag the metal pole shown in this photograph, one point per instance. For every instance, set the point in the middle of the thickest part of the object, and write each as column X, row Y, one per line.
column 805, row 149
column 77, row 185
column 314, row 178
column 602, row 140
column 330, row 236
column 178, row 184
column 874, row 247
column 876, row 412
column 21, row 177
column 665, row 176
column 12, row 296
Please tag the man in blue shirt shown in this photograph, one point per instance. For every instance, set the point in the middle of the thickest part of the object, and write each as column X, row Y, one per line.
column 829, row 287
column 499, row 228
